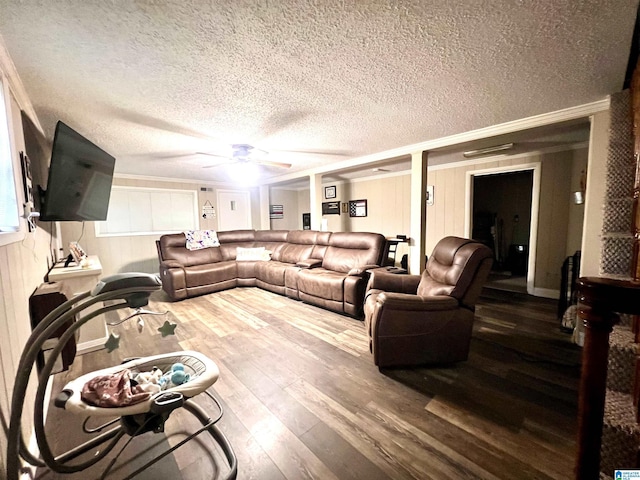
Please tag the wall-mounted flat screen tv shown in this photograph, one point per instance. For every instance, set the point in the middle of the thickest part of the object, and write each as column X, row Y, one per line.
column 80, row 177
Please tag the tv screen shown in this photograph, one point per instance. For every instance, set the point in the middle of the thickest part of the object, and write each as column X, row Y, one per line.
column 80, row 176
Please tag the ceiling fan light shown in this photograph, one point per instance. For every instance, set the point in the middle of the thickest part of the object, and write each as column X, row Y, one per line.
column 243, row 173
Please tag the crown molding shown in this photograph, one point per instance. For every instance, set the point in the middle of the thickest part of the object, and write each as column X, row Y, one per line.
column 572, row 113
column 8, row 69
column 493, row 158
column 150, row 178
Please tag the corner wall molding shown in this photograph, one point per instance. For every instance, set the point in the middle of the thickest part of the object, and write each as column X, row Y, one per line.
column 8, row 69
column 493, row 158
column 572, row 113
column 130, row 176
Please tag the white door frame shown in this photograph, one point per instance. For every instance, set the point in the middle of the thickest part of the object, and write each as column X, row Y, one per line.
column 536, row 167
column 246, row 193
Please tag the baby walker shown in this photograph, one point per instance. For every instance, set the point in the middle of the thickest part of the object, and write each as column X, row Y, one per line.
column 132, row 290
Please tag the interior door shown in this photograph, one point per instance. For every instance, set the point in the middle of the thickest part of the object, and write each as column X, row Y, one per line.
column 234, row 210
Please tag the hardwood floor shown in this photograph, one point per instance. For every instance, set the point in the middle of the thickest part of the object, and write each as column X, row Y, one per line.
column 302, row 397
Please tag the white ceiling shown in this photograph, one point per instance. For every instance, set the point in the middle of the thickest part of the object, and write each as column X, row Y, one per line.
column 330, row 79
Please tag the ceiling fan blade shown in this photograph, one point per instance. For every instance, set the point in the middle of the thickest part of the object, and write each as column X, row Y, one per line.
column 228, row 161
column 211, row 154
column 269, row 163
column 333, row 153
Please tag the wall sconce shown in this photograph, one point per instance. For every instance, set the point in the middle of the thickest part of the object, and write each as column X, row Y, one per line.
column 578, row 197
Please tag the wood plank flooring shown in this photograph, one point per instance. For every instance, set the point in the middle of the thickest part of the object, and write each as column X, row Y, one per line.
column 303, row 400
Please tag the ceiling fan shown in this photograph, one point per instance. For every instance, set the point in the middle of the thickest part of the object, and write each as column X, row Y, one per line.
column 244, row 153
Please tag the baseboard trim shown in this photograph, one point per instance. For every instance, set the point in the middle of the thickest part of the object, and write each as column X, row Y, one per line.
column 546, row 293
column 91, row 345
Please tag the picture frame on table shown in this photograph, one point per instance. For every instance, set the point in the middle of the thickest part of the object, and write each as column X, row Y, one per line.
column 77, row 252
column 330, row 192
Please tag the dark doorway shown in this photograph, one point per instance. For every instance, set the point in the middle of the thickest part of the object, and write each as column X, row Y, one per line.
column 502, row 220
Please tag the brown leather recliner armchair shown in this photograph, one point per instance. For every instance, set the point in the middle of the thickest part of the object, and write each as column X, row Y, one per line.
column 428, row 318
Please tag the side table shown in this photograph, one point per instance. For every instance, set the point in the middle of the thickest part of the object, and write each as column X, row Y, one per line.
column 93, row 334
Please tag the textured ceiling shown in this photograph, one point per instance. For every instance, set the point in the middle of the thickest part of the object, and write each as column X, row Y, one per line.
column 331, row 79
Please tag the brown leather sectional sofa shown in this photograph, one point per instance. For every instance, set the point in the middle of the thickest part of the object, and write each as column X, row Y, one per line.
column 322, row 268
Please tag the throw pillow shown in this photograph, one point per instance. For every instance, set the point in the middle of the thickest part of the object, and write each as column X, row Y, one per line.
column 252, row 254
column 197, row 239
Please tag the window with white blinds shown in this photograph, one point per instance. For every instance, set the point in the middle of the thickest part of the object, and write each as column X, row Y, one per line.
column 9, row 216
column 145, row 211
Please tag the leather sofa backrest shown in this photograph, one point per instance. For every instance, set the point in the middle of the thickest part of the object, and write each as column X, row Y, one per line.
column 345, row 250
column 232, row 239
column 298, row 247
column 272, row 240
column 320, row 248
column 457, row 267
column 173, row 247
column 349, row 250
column 235, row 236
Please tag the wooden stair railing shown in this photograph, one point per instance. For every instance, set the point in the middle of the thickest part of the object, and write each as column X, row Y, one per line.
column 600, row 301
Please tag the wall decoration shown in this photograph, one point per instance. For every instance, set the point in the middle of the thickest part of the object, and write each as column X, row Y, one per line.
column 207, row 210
column 306, row 221
column 26, row 177
column 344, row 207
column 331, row 208
column 28, row 189
column 330, row 192
column 276, row 211
column 357, row 208
column 429, row 194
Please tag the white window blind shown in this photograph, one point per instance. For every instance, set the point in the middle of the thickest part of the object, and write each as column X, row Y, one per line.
column 144, row 211
column 9, row 219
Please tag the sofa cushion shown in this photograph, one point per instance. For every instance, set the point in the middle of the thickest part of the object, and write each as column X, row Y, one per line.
column 210, row 273
column 272, row 240
column 293, row 253
column 173, row 247
column 444, row 272
column 320, row 247
column 323, row 283
column 272, row 272
column 236, row 236
column 349, row 250
column 298, row 246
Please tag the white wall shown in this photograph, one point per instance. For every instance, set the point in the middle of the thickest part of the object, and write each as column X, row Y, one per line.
column 576, row 212
column 447, row 215
column 594, row 203
column 138, row 252
column 292, row 219
column 23, row 265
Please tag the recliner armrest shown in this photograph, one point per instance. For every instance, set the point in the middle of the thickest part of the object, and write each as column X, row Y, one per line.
column 391, row 282
column 170, row 264
column 361, row 269
column 309, row 263
column 403, row 301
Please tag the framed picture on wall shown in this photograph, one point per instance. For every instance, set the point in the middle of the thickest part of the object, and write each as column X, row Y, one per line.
column 276, row 211
column 331, row 208
column 357, row 208
column 330, row 192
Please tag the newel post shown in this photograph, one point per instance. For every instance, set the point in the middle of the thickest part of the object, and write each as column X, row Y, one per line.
column 598, row 300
